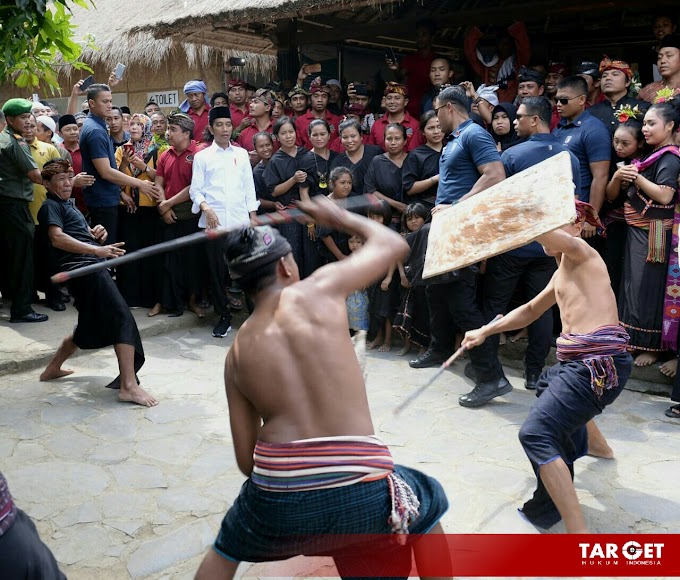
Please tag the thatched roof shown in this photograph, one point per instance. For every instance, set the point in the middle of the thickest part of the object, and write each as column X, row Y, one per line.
column 112, row 26
column 148, row 31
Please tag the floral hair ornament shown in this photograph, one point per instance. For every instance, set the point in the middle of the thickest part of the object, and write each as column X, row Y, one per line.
column 626, row 112
column 666, row 94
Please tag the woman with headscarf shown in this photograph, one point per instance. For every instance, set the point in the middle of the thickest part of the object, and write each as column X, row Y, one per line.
column 502, row 126
column 138, row 282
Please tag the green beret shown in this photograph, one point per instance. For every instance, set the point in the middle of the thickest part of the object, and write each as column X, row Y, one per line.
column 16, row 107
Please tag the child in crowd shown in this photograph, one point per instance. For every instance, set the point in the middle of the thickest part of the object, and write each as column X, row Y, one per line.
column 413, row 319
column 383, row 296
column 357, row 301
column 333, row 244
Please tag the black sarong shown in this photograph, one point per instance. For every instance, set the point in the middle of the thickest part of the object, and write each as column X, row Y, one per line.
column 104, row 319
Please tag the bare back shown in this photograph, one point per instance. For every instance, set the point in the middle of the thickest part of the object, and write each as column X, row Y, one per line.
column 583, row 292
column 294, row 361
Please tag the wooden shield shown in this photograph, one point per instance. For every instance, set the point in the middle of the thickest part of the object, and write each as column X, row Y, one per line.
column 506, row 216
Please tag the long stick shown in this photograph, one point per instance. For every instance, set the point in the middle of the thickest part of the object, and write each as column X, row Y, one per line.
column 274, row 218
column 445, row 365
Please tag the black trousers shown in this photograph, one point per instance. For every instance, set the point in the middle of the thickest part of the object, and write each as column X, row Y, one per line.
column 615, row 253
column 181, row 268
column 16, row 245
column 454, row 304
column 503, row 274
column 107, row 217
column 219, row 275
column 23, row 554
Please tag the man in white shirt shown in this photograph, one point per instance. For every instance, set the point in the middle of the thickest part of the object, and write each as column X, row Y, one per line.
column 222, row 188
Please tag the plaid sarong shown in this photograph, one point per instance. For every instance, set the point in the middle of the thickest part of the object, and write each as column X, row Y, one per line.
column 8, row 511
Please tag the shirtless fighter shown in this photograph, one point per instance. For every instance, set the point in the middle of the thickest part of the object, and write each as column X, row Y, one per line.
column 298, row 409
column 592, row 370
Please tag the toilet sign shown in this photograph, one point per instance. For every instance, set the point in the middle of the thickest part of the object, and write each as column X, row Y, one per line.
column 164, row 98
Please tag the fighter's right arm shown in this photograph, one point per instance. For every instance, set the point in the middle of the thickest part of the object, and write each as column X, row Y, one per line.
column 243, row 417
column 518, row 318
column 561, row 242
column 61, row 240
column 382, row 247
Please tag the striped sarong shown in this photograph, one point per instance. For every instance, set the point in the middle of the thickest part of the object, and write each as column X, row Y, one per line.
column 328, row 462
column 596, row 351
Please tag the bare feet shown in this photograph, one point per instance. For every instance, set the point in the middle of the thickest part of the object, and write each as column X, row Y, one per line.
column 51, row 373
column 375, row 343
column 156, row 310
column 644, row 359
column 597, row 444
column 670, row 368
column 197, row 310
column 137, row 395
column 521, row 335
column 386, row 347
column 405, row 349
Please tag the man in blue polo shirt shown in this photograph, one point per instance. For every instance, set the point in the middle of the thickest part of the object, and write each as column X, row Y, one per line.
column 469, row 163
column 528, row 265
column 587, row 138
column 104, row 196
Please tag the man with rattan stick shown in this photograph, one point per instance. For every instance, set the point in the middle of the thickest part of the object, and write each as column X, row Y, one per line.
column 104, row 318
column 316, row 471
column 593, row 368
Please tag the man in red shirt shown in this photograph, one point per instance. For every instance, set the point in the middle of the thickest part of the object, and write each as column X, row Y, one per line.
column 70, row 133
column 396, row 101
column 414, row 69
column 173, row 178
column 260, row 112
column 298, row 99
column 319, row 97
column 236, row 91
column 196, row 106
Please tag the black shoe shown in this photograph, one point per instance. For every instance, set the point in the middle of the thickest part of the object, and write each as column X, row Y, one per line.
column 31, row 317
column 470, row 372
column 426, row 360
column 484, row 392
column 56, row 305
column 222, row 328
column 530, row 380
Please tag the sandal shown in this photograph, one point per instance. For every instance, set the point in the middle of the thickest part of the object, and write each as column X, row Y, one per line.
column 235, row 303
column 673, row 412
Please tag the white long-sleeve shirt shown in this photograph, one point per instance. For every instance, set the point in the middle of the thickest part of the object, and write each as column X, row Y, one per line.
column 223, row 179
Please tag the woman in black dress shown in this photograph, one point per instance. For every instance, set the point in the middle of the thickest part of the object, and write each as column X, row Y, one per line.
column 357, row 156
column 264, row 148
column 318, row 160
column 647, row 311
column 420, row 174
column 287, row 182
column 383, row 178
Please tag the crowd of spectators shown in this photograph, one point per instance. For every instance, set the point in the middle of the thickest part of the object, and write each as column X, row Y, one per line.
column 425, row 141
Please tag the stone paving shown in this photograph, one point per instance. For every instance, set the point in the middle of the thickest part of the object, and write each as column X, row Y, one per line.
column 118, row 491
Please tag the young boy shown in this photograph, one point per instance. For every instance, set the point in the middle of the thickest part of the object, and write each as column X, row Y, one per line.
column 593, row 369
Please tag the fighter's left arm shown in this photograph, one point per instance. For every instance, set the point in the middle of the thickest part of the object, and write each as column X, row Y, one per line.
column 244, row 419
column 490, row 174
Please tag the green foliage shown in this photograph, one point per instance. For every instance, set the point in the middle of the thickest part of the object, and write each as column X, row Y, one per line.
column 32, row 35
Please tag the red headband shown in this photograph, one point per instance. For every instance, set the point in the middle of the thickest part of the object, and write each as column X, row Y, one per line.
column 397, row 88
column 586, row 212
column 609, row 64
column 236, row 83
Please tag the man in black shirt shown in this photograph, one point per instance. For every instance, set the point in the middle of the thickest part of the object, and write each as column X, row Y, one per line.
column 103, row 316
column 616, row 78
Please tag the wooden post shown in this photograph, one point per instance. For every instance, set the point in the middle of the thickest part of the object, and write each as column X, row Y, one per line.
column 288, row 62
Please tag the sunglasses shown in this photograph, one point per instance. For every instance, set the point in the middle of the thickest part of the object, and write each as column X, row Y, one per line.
column 436, row 111
column 565, row 100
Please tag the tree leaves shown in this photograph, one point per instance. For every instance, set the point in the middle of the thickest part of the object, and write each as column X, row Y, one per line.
column 32, row 37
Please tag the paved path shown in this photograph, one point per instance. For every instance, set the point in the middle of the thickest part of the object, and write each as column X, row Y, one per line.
column 120, row 492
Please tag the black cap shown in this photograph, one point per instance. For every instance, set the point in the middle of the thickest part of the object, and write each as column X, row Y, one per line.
column 527, row 75
column 590, row 68
column 66, row 120
column 219, row 113
column 125, row 110
column 670, row 41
